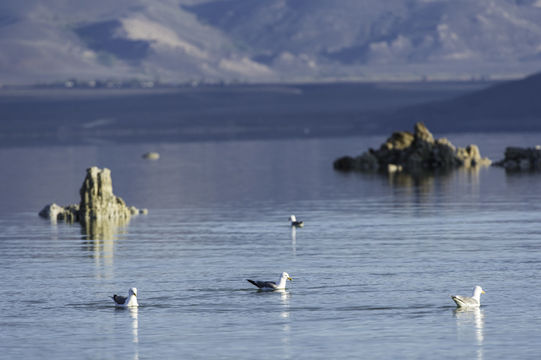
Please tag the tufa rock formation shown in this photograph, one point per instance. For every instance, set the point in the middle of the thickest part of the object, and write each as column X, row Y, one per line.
column 55, row 212
column 521, row 159
column 414, row 153
column 97, row 199
column 97, row 202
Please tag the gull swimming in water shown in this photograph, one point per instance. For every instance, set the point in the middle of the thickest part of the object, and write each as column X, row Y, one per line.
column 469, row 302
column 271, row 285
column 130, row 301
column 294, row 222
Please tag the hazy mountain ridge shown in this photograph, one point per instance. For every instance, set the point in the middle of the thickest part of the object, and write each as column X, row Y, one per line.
column 509, row 106
column 393, row 31
column 273, row 40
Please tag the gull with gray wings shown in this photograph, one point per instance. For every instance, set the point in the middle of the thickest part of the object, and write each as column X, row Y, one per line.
column 271, row 285
column 469, row 302
column 130, row 301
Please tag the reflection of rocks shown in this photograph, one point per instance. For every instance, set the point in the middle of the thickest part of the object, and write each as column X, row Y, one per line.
column 425, row 178
column 417, row 152
column 97, row 202
column 521, row 159
column 419, row 180
column 103, row 229
column 98, row 239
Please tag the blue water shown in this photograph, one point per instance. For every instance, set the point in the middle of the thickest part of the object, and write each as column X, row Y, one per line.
column 373, row 268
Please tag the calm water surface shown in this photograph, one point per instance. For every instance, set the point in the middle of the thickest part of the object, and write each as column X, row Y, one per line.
column 373, row 267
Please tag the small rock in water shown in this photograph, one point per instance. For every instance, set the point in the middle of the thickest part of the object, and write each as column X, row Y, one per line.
column 151, row 156
column 521, row 159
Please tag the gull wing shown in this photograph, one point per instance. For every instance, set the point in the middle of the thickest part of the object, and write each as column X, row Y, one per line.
column 120, row 300
column 464, row 301
column 263, row 284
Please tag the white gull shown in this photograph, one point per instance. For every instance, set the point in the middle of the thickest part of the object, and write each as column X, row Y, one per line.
column 271, row 285
column 469, row 302
column 130, row 301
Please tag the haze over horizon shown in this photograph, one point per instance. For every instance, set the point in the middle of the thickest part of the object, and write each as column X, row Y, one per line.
column 176, row 41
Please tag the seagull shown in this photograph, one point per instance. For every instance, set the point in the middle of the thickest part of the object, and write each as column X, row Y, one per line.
column 271, row 285
column 469, row 302
column 294, row 222
column 130, row 301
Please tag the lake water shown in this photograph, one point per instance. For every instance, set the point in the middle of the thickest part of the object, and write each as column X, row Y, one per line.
column 373, row 268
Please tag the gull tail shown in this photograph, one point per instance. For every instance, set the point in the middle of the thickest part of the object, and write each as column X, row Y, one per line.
column 458, row 300
column 252, row 282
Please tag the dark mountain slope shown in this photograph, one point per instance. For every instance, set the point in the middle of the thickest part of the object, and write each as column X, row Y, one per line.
column 508, row 106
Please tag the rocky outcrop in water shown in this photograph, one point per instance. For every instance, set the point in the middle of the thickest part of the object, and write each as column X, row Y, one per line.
column 413, row 152
column 55, row 212
column 97, row 202
column 97, row 199
column 521, row 159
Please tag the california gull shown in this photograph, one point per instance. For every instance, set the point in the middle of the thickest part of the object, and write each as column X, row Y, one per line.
column 294, row 222
column 130, row 301
column 469, row 302
column 271, row 285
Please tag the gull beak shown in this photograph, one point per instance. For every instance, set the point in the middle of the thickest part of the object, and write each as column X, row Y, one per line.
column 483, row 292
column 290, row 279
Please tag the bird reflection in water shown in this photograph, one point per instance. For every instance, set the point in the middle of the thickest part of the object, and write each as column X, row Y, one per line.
column 284, row 296
column 135, row 323
column 470, row 323
column 133, row 326
column 135, row 331
column 284, row 315
column 294, row 239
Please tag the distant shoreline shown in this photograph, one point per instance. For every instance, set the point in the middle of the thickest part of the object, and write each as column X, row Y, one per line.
column 46, row 92
column 235, row 111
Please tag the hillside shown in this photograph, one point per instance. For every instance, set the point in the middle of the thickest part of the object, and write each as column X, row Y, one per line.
column 272, row 40
column 509, row 106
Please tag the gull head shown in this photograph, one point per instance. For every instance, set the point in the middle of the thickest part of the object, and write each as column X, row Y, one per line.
column 286, row 276
column 133, row 291
column 477, row 291
column 292, row 218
